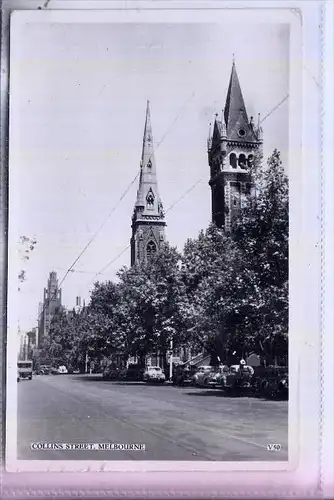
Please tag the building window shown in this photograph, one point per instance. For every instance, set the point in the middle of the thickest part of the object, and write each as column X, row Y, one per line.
column 149, row 164
column 150, row 199
column 233, row 160
column 242, row 161
column 151, row 249
column 250, row 160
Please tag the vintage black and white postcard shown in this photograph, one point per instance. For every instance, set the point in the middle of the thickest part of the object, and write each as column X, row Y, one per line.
column 156, row 240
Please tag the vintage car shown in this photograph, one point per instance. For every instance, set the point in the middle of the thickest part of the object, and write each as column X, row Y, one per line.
column 111, row 372
column 272, row 382
column 43, row 370
column 154, row 374
column 134, row 373
column 238, row 379
column 214, row 377
column 24, row 370
column 62, row 370
column 54, row 371
column 199, row 377
column 183, row 374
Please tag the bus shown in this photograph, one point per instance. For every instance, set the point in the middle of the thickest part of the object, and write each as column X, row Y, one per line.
column 24, row 370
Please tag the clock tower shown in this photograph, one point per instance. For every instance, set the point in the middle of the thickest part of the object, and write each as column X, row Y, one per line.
column 148, row 220
column 232, row 145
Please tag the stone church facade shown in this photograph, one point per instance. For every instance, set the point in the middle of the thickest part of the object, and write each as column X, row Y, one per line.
column 232, row 146
column 148, row 220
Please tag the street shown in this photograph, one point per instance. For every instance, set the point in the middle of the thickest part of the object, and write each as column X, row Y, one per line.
column 174, row 423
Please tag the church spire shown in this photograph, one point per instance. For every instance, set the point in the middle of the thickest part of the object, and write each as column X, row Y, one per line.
column 148, row 152
column 148, row 185
column 148, row 216
column 235, row 105
column 235, row 140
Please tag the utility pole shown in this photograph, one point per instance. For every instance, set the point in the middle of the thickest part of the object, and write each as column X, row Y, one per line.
column 86, row 363
column 171, row 360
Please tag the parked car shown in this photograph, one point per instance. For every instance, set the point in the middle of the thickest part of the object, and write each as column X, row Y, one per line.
column 213, row 378
column 133, row 372
column 272, row 382
column 183, row 374
column 154, row 374
column 111, row 372
column 43, row 370
column 62, row 370
column 24, row 370
column 199, row 377
column 237, row 379
column 54, row 371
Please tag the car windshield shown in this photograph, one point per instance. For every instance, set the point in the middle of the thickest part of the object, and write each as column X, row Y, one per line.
column 24, row 365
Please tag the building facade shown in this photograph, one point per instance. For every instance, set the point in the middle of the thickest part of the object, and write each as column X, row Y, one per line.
column 232, row 145
column 148, row 221
column 51, row 304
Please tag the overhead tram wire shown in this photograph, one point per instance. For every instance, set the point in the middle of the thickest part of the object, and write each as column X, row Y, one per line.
column 70, row 269
column 190, row 189
column 275, row 108
column 146, row 230
column 130, row 185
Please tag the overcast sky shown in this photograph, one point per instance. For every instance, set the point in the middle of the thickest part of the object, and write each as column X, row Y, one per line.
column 79, row 95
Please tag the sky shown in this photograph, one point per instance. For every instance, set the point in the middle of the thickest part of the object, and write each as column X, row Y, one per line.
column 78, row 101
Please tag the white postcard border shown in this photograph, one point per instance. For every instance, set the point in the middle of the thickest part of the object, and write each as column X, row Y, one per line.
column 307, row 346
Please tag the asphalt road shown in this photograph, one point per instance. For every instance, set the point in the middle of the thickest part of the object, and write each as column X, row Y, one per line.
column 174, row 423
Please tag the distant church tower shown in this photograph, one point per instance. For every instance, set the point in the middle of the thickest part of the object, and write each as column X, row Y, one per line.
column 231, row 149
column 148, row 221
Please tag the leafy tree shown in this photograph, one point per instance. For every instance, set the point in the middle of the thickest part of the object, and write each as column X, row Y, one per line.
column 237, row 283
column 152, row 303
column 262, row 234
column 227, row 293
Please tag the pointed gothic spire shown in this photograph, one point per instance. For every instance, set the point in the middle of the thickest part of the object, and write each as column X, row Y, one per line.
column 209, row 141
column 259, row 130
column 148, row 153
column 223, row 131
column 147, row 194
column 235, row 105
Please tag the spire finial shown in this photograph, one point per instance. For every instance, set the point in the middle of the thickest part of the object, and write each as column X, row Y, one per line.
column 258, row 120
column 210, row 131
column 233, row 59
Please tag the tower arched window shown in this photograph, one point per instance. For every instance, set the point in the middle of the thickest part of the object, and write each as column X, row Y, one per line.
column 250, row 160
column 242, row 161
column 150, row 249
column 233, row 160
column 149, row 164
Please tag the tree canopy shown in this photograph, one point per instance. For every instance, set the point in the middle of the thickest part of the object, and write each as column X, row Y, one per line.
column 226, row 292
